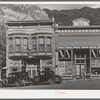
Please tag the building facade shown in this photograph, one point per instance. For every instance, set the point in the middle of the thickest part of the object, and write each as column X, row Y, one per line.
column 30, row 45
column 41, row 45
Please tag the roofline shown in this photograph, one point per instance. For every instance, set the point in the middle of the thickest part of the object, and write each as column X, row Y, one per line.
column 30, row 21
column 81, row 18
column 77, row 27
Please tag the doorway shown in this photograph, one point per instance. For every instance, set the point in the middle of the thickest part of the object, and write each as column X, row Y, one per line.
column 79, row 70
column 80, row 65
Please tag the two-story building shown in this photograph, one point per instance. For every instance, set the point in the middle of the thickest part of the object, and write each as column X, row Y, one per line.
column 30, row 45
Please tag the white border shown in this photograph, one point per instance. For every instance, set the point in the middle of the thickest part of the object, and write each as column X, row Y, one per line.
column 29, row 94
column 44, row 2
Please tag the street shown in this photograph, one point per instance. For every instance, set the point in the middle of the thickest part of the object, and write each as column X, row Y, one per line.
column 83, row 84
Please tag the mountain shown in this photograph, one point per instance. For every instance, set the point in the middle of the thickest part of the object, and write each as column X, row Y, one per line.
column 65, row 17
column 19, row 11
column 16, row 12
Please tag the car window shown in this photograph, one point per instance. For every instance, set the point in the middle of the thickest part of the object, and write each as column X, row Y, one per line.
column 13, row 75
column 10, row 75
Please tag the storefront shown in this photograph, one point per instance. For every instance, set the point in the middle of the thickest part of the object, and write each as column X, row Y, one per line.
column 78, row 50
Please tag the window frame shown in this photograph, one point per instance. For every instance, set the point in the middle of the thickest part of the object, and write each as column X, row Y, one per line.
column 48, row 44
column 42, row 45
column 25, row 45
column 16, row 45
column 10, row 44
column 34, row 44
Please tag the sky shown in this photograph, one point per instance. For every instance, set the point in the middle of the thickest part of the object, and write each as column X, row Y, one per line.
column 67, row 6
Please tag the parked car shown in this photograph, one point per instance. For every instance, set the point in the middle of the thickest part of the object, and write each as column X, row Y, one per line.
column 47, row 77
column 18, row 79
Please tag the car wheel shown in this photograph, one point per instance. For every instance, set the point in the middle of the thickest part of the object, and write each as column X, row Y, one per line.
column 51, row 81
column 5, row 82
column 17, row 84
column 1, row 84
column 36, row 80
column 57, row 79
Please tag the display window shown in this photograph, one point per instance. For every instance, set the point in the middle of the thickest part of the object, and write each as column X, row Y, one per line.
column 66, row 54
column 95, row 68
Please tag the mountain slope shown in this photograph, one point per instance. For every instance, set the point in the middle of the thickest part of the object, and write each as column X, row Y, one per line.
column 65, row 17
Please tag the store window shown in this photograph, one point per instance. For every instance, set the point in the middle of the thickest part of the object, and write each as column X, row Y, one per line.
column 41, row 44
column 61, row 53
column 65, row 53
column 98, row 52
column 10, row 44
column 94, row 53
column 34, row 44
column 25, row 44
column 68, row 53
column 48, row 41
column 95, row 69
column 18, row 44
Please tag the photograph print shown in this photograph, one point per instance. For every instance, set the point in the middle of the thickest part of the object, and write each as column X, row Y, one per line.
column 50, row 46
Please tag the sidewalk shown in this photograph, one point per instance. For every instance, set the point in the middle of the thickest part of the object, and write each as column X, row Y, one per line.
column 78, row 80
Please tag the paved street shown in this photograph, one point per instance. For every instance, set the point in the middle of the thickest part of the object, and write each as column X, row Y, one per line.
column 66, row 84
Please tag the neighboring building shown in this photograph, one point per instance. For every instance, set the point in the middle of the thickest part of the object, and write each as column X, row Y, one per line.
column 81, row 22
column 41, row 45
column 78, row 49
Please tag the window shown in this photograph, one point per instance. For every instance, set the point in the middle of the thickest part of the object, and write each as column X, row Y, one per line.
column 10, row 45
column 68, row 53
column 25, row 44
column 65, row 54
column 18, row 45
column 34, row 44
column 61, row 53
column 41, row 44
column 99, row 53
column 48, row 44
column 29, row 73
column 94, row 53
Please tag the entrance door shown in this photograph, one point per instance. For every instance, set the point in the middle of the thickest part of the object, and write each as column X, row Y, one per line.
column 80, row 62
column 79, row 70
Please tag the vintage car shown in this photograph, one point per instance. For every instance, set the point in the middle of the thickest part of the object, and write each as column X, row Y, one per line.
column 47, row 77
column 18, row 79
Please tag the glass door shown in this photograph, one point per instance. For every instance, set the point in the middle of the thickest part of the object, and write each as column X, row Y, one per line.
column 80, row 71
column 80, row 64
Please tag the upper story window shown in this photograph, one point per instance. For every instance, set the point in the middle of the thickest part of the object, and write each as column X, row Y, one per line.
column 34, row 44
column 10, row 44
column 41, row 44
column 25, row 44
column 18, row 44
column 48, row 42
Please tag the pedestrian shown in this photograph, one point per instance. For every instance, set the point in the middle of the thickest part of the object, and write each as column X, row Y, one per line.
column 83, row 74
